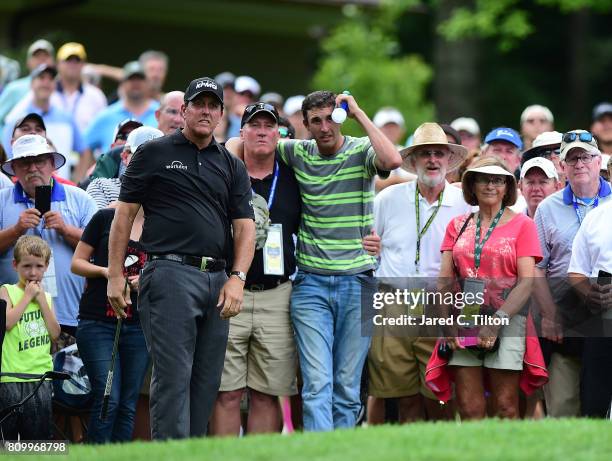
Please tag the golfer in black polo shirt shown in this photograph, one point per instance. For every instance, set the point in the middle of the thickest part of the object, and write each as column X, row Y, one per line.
column 194, row 194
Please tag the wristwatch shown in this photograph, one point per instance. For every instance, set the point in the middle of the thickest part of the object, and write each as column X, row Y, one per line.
column 502, row 314
column 239, row 274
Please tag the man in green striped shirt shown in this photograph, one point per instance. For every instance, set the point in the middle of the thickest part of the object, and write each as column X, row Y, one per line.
column 334, row 174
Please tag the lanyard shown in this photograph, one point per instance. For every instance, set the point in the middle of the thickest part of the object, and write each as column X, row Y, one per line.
column 74, row 105
column 272, row 187
column 421, row 232
column 478, row 246
column 594, row 203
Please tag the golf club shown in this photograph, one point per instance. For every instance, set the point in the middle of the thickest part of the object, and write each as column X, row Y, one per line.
column 129, row 261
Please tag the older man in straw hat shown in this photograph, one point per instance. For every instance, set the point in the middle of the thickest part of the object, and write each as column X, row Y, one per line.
column 69, row 209
column 411, row 219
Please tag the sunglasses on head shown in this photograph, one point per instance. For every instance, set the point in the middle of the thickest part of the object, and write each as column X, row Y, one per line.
column 259, row 106
column 573, row 136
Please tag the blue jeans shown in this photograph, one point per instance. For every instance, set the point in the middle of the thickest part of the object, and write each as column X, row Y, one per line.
column 326, row 315
column 95, row 341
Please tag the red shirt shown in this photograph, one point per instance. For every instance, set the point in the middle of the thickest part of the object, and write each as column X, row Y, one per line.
column 498, row 263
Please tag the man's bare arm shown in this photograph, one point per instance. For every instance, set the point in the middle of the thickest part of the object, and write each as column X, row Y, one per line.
column 236, row 147
column 117, row 245
column 230, row 297
column 387, row 156
column 244, row 244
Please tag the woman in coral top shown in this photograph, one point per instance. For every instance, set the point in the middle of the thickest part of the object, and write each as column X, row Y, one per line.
column 493, row 254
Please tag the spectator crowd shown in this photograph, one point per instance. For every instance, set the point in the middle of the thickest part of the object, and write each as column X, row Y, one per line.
column 224, row 250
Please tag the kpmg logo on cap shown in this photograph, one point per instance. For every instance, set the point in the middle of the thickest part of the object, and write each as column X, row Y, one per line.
column 207, row 84
column 503, row 132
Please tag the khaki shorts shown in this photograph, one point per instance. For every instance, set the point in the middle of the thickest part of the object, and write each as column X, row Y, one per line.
column 261, row 351
column 396, row 366
column 509, row 356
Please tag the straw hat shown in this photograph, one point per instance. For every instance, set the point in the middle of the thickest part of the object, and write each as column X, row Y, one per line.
column 432, row 134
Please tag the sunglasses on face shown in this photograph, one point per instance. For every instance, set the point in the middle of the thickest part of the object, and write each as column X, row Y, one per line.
column 497, row 181
column 425, row 154
column 121, row 137
column 549, row 153
column 38, row 161
column 572, row 136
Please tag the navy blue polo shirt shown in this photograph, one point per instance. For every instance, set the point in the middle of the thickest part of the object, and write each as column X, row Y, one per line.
column 190, row 196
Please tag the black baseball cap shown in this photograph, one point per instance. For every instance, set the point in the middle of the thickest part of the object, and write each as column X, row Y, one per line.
column 253, row 109
column 31, row 116
column 128, row 122
column 203, row 85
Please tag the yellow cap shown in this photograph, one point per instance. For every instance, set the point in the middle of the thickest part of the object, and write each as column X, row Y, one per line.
column 71, row 49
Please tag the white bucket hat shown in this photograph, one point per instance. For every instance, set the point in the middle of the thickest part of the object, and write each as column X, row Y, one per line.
column 432, row 134
column 32, row 145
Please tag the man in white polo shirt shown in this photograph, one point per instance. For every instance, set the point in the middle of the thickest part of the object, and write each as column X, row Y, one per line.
column 411, row 219
column 592, row 259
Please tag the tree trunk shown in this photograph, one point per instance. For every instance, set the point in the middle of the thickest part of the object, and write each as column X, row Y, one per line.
column 579, row 66
column 455, row 69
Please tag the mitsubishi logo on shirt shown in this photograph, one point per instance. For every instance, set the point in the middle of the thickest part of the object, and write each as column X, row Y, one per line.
column 176, row 165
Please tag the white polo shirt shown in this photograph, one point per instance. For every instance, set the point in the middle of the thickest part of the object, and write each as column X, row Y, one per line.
column 592, row 246
column 395, row 223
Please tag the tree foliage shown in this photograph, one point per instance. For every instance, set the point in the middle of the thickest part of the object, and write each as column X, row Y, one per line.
column 506, row 20
column 361, row 55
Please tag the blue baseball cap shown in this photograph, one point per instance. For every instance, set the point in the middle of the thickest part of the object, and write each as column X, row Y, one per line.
column 504, row 134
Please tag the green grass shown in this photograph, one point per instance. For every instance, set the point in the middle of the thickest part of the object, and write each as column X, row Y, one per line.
column 569, row 439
